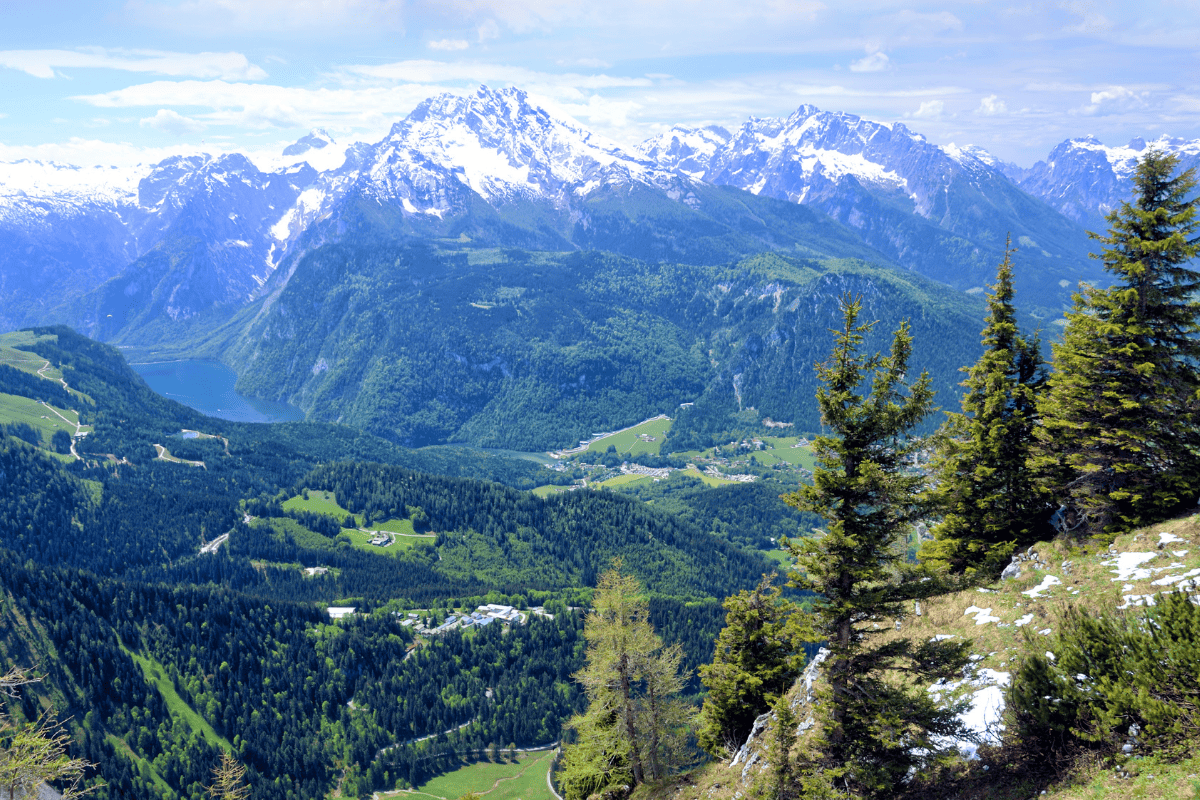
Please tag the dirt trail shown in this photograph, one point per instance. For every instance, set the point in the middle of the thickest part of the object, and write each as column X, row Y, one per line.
column 45, row 367
column 165, row 455
column 79, row 432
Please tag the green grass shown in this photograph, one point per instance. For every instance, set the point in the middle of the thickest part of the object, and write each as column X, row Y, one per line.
column 178, row 707
column 785, row 452
column 628, row 442
column 404, row 526
column 23, row 409
column 781, row 557
column 524, row 780
column 362, row 541
column 26, row 362
column 318, row 501
column 546, row 491
column 708, row 479
column 144, row 767
column 625, row 480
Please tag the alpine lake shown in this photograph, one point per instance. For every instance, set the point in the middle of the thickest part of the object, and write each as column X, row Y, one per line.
column 208, row 387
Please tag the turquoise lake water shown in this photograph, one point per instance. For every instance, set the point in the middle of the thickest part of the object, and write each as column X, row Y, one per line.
column 207, row 386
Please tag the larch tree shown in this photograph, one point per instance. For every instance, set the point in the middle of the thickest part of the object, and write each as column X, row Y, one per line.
column 985, row 491
column 757, row 657
column 876, row 718
column 228, row 780
column 1118, row 441
column 633, row 730
column 36, row 752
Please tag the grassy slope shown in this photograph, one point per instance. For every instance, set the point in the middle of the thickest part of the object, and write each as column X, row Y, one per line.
column 1089, row 580
column 524, row 780
column 179, row 707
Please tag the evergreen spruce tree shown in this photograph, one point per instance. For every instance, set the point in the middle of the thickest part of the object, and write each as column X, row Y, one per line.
column 632, row 731
column 756, row 657
column 986, row 492
column 874, row 726
column 1118, row 441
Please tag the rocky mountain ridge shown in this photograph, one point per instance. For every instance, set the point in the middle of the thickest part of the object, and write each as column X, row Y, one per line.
column 215, row 228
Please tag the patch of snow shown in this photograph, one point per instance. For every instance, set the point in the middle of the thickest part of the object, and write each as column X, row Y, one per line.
column 1132, row 600
column 1025, row 620
column 1044, row 632
column 1047, row 582
column 1170, row 579
column 982, row 615
column 1169, row 538
column 983, row 717
column 1128, row 566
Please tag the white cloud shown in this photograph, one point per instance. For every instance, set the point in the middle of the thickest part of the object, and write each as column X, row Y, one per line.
column 257, row 106
column 991, row 105
column 449, row 44
column 173, row 122
column 874, row 62
column 43, row 63
column 1114, row 100
column 470, row 73
column 930, row 109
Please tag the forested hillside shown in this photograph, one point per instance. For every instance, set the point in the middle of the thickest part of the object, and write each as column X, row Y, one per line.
column 507, row 348
column 161, row 654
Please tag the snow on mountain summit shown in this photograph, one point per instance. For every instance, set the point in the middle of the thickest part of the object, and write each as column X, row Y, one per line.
column 316, row 139
column 503, row 147
column 1084, row 179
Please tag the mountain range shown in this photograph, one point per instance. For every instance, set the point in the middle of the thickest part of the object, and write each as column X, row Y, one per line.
column 469, row 201
column 193, row 232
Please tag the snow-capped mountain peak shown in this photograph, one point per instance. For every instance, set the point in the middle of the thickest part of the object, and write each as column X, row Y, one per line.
column 685, row 149
column 316, row 139
column 502, row 146
column 1085, row 179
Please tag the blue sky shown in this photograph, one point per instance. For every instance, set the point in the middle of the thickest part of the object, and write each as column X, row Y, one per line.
column 114, row 82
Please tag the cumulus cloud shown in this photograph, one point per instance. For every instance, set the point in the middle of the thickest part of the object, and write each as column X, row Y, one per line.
column 991, row 105
column 1114, row 100
column 449, row 44
column 173, row 122
column 874, row 62
column 43, row 63
column 930, row 109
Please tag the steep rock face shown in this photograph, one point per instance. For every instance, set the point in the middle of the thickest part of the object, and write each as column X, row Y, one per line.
column 1085, row 180
column 204, row 229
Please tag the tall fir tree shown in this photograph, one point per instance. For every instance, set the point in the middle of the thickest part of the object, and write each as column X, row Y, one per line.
column 878, row 720
column 986, row 493
column 632, row 731
column 1118, row 441
column 757, row 657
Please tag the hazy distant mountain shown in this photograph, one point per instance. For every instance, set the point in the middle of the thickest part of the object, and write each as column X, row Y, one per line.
column 944, row 212
column 1085, row 180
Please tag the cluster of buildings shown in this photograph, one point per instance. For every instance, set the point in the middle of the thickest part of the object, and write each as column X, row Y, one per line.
column 481, row 617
